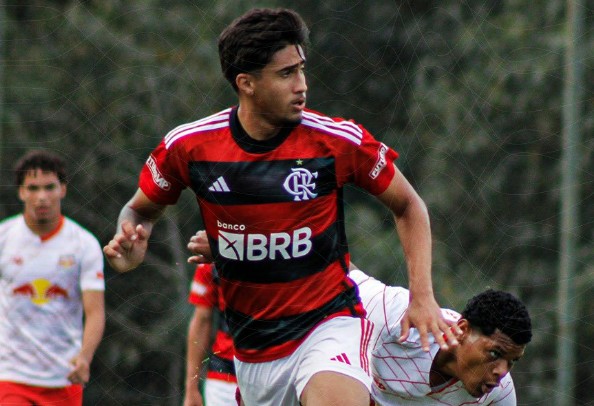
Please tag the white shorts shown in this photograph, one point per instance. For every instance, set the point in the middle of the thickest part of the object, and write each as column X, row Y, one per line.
column 340, row 345
column 219, row 393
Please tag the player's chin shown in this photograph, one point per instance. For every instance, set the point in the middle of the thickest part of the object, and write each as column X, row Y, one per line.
column 293, row 119
column 482, row 389
column 476, row 390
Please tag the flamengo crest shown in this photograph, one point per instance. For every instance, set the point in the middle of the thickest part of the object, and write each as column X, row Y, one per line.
column 300, row 183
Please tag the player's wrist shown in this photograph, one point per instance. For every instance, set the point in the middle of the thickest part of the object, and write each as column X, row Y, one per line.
column 421, row 294
column 85, row 357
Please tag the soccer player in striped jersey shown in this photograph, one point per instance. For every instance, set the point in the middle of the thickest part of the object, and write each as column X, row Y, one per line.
column 221, row 383
column 268, row 175
column 495, row 327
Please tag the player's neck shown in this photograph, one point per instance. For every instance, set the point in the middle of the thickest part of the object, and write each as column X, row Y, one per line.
column 255, row 125
column 441, row 368
column 44, row 228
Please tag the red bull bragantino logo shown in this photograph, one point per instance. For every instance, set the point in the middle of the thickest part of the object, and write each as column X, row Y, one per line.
column 66, row 261
column 41, row 291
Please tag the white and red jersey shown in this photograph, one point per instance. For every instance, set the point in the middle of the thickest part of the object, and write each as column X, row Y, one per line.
column 41, row 312
column 205, row 292
column 273, row 213
column 401, row 371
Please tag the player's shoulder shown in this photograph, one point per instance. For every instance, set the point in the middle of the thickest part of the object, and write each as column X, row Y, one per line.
column 8, row 228
column 76, row 230
column 367, row 282
column 450, row 315
column 10, row 222
column 360, row 277
column 204, row 125
column 335, row 127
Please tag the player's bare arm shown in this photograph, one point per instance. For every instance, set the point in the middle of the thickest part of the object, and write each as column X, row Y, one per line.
column 127, row 248
column 198, row 341
column 414, row 231
column 94, row 310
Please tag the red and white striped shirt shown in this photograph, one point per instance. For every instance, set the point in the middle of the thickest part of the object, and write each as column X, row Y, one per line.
column 273, row 213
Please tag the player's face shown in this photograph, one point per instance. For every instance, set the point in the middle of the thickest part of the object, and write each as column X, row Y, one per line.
column 482, row 361
column 42, row 193
column 279, row 89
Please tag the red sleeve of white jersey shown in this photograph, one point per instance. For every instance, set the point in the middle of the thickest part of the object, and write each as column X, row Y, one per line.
column 164, row 175
column 368, row 164
column 203, row 291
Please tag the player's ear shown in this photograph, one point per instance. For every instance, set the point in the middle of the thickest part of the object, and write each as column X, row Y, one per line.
column 21, row 193
column 245, row 83
column 465, row 327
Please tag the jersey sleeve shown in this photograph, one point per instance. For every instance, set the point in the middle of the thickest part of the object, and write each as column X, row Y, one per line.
column 164, row 174
column 367, row 163
column 91, row 273
column 203, row 291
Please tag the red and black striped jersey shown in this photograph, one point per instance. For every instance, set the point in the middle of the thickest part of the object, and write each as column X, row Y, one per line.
column 273, row 213
column 205, row 291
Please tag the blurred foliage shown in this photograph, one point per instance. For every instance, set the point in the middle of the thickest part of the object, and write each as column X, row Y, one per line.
column 468, row 92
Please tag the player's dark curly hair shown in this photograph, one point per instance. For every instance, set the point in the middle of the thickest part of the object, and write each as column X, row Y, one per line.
column 250, row 41
column 497, row 310
column 39, row 159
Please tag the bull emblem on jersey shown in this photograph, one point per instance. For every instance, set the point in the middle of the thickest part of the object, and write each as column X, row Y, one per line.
column 300, row 183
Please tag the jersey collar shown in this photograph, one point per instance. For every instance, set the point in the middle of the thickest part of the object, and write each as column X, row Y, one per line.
column 248, row 144
column 55, row 231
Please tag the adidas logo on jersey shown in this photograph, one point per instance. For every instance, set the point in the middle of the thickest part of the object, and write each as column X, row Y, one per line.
column 341, row 358
column 219, row 186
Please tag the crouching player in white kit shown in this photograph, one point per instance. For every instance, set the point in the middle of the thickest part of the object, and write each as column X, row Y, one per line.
column 495, row 327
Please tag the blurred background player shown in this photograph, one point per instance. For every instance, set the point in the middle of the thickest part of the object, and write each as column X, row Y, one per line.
column 51, row 272
column 495, row 329
column 221, row 383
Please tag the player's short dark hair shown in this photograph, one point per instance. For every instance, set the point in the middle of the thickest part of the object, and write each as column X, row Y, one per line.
column 39, row 159
column 497, row 310
column 250, row 41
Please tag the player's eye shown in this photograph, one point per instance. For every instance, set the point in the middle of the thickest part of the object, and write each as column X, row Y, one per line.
column 494, row 354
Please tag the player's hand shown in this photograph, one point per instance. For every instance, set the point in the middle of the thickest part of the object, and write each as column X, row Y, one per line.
column 199, row 246
column 425, row 315
column 127, row 248
column 81, row 370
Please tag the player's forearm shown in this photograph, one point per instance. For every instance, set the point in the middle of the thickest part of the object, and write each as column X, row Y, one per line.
column 92, row 333
column 414, row 231
column 135, row 216
column 127, row 248
column 197, row 348
column 140, row 210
